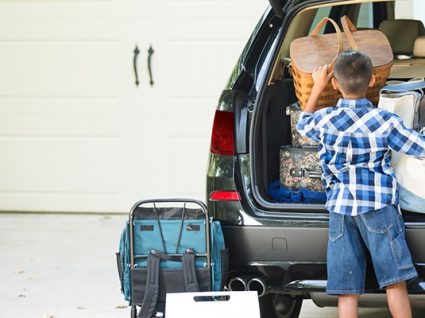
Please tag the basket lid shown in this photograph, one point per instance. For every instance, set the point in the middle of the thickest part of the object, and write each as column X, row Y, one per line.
column 311, row 51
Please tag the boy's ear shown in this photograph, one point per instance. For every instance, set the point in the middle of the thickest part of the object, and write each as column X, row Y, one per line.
column 335, row 84
column 372, row 80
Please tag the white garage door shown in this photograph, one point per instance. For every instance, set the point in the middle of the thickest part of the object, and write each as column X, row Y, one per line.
column 76, row 133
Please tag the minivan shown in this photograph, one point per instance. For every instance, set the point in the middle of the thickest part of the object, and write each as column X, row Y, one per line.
column 279, row 249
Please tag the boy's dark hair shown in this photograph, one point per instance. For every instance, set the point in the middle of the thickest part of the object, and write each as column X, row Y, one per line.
column 353, row 70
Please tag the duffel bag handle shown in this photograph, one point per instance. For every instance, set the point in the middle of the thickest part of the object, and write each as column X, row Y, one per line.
column 340, row 40
column 413, row 84
column 348, row 27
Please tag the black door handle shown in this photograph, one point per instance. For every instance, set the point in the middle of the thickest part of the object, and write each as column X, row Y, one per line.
column 136, row 54
column 150, row 53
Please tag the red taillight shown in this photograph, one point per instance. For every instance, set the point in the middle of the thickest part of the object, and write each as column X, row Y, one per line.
column 225, row 196
column 222, row 138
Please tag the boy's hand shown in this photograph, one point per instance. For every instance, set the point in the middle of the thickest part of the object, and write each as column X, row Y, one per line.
column 321, row 78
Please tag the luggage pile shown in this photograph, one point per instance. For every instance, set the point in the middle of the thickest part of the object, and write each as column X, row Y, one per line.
column 299, row 162
column 299, row 168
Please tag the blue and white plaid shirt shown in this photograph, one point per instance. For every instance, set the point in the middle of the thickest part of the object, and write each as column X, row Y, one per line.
column 355, row 140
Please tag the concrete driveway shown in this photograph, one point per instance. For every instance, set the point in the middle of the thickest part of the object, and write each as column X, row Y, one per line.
column 63, row 266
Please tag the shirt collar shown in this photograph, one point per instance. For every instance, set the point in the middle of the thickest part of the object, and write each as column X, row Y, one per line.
column 354, row 103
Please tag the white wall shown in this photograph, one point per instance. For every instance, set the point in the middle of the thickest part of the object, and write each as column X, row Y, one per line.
column 404, row 9
column 410, row 9
column 419, row 9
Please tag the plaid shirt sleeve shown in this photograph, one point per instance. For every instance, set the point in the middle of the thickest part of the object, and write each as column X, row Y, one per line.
column 406, row 140
column 308, row 125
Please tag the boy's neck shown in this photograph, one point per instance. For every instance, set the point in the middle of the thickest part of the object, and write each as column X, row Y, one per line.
column 352, row 96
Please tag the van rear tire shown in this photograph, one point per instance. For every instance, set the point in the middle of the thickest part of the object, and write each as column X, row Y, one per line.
column 280, row 306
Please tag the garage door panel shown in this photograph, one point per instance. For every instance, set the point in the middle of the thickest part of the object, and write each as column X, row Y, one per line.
column 189, row 152
column 59, row 126
column 203, row 78
column 55, row 164
column 192, row 30
column 136, row 9
column 60, row 9
column 180, row 157
column 57, row 106
column 196, row 126
column 58, row 69
column 204, row 10
column 192, row 106
column 146, row 163
column 58, row 30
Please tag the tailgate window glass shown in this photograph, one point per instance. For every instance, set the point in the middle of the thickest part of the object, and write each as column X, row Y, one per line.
column 365, row 19
column 320, row 14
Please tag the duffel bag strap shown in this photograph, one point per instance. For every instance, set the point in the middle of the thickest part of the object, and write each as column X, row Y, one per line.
column 150, row 298
column 400, row 86
column 189, row 271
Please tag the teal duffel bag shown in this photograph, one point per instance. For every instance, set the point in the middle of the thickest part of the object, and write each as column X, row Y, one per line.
column 169, row 245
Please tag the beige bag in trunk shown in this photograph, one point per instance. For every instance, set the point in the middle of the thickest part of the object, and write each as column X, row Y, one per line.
column 309, row 52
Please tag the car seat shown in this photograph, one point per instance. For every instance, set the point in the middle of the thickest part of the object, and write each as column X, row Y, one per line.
column 401, row 34
column 407, row 40
column 419, row 47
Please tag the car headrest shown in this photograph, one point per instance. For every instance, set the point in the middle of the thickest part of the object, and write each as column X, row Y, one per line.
column 419, row 47
column 402, row 34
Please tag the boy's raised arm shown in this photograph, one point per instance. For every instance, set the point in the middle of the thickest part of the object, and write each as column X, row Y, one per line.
column 307, row 124
column 320, row 79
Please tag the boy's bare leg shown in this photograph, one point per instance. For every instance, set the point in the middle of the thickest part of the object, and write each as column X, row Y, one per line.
column 347, row 306
column 398, row 300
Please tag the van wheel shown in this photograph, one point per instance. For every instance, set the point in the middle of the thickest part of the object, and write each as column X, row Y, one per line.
column 280, row 306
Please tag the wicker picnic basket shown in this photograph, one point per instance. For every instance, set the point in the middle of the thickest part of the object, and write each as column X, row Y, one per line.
column 314, row 50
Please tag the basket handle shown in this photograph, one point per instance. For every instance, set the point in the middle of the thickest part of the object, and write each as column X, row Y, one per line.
column 320, row 25
column 348, row 27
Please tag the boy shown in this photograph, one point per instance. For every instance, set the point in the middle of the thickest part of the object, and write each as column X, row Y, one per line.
column 355, row 140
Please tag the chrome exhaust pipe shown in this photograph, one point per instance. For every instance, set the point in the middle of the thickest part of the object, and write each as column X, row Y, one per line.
column 237, row 283
column 257, row 284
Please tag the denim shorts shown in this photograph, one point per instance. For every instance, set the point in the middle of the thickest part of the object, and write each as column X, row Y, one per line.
column 381, row 232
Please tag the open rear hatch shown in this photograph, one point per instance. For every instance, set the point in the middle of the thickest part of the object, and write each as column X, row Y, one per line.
column 271, row 133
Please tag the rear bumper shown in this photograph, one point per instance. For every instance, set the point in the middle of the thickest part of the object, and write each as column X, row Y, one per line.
column 276, row 244
column 319, row 286
column 292, row 260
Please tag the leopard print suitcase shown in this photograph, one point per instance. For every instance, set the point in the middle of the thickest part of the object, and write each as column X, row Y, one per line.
column 300, row 168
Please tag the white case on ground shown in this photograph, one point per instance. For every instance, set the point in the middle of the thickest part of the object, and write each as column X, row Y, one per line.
column 188, row 305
